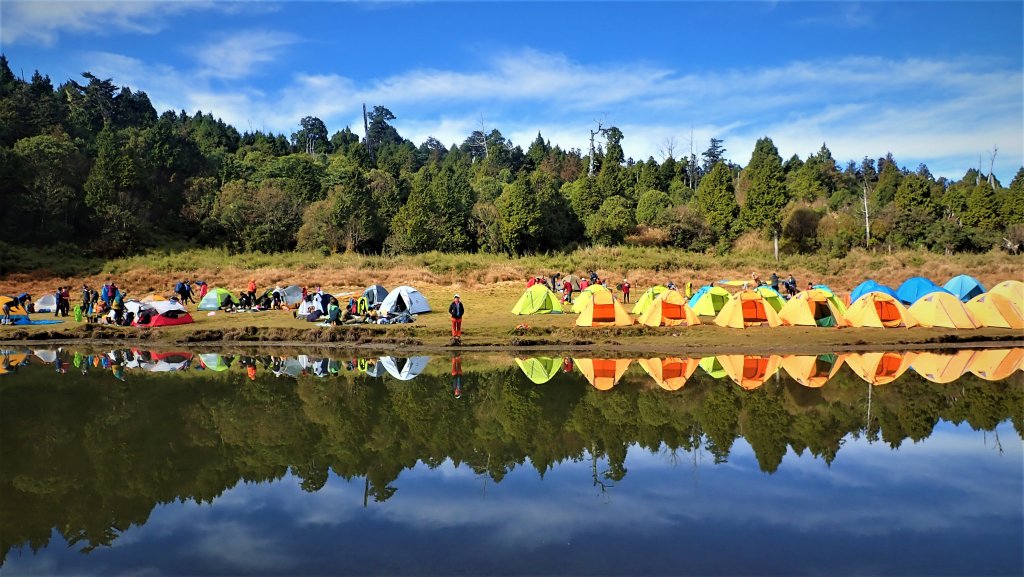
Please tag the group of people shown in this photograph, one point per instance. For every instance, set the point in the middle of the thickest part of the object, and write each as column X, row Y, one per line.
column 92, row 303
column 789, row 285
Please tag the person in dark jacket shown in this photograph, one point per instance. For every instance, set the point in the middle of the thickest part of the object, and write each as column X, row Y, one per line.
column 456, row 309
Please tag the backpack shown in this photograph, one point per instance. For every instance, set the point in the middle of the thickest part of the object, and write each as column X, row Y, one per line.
column 179, row 288
column 105, row 292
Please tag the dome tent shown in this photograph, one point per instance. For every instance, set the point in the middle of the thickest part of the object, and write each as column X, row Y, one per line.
column 994, row 310
column 1012, row 290
column 940, row 309
column 709, row 300
column 877, row 309
column 811, row 308
column 375, row 294
column 215, row 299
column 404, row 299
column 646, row 299
column 964, row 287
column 45, row 304
column 669, row 309
column 915, row 288
column 602, row 310
column 747, row 308
column 537, row 300
column 870, row 286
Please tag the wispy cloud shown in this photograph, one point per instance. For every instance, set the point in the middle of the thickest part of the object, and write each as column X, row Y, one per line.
column 240, row 54
column 43, row 21
column 921, row 110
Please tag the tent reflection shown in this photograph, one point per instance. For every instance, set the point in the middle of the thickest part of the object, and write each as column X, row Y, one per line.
column 879, row 368
column 812, row 370
column 670, row 373
column 603, row 374
column 941, row 367
column 749, row 372
column 996, row 364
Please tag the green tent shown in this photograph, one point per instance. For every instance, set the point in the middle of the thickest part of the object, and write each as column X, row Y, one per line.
column 709, row 300
column 537, row 300
column 585, row 295
column 215, row 362
column 771, row 296
column 214, row 299
column 647, row 299
column 713, row 367
column 539, row 369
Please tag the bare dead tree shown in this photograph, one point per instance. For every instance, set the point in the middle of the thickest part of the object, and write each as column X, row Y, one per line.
column 478, row 140
column 668, row 148
column 366, row 133
column 865, row 191
column 991, row 165
column 600, row 131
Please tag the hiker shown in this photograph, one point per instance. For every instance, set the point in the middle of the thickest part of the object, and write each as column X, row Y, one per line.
column 188, row 293
column 790, row 285
column 56, row 301
column 333, row 312
column 278, row 302
column 105, row 293
column 179, row 289
column 456, row 310
column 775, row 281
column 457, row 376
column 566, row 291
column 118, row 306
column 86, row 300
column 625, row 290
column 7, row 313
column 252, row 290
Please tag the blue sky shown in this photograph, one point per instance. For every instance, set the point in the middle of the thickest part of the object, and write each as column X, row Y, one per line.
column 933, row 82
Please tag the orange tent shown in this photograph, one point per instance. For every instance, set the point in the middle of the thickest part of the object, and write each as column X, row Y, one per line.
column 602, row 373
column 877, row 309
column 671, row 373
column 996, row 364
column 941, row 367
column 749, row 372
column 995, row 310
column 942, row 309
column 879, row 368
column 1013, row 290
column 747, row 308
column 812, row 370
column 669, row 309
column 603, row 310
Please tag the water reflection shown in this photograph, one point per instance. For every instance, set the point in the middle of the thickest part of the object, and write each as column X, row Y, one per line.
column 93, row 443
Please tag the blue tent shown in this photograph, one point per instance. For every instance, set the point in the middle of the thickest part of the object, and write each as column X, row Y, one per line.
column 964, row 287
column 916, row 287
column 870, row 286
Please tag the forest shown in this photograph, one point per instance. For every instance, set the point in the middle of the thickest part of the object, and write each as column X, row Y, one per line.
column 92, row 167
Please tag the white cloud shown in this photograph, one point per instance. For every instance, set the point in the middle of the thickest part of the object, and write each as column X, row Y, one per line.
column 241, row 53
column 43, row 21
column 941, row 112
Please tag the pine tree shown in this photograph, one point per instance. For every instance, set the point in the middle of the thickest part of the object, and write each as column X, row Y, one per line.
column 766, row 196
column 716, row 198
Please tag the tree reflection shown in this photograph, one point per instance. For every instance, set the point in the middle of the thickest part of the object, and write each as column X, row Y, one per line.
column 90, row 457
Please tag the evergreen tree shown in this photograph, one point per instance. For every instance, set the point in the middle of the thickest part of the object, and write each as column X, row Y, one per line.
column 716, row 199
column 766, row 196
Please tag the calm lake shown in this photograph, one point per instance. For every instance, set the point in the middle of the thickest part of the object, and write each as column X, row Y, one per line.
column 196, row 463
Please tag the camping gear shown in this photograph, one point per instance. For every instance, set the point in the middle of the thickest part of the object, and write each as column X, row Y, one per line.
column 994, row 310
column 540, row 369
column 670, row 373
column 709, row 300
column 669, row 309
column 812, row 371
column 404, row 299
column 915, row 288
column 646, row 299
column 879, row 368
column 942, row 309
column 812, row 308
column 602, row 310
column 867, row 287
column 214, row 299
column 46, row 304
column 996, row 364
column 584, row 297
column 880, row 310
column 374, row 294
column 941, row 367
column 771, row 296
column 161, row 314
column 745, row 309
column 404, row 369
column 964, row 287
column 1012, row 290
column 537, row 300
column 603, row 374
column 749, row 371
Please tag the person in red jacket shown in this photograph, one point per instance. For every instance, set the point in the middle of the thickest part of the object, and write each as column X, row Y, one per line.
column 252, row 290
column 625, row 290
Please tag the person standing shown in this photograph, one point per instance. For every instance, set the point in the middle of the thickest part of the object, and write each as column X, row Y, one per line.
column 86, row 300
column 456, row 310
column 625, row 290
column 188, row 293
column 118, row 306
column 775, row 281
column 252, row 290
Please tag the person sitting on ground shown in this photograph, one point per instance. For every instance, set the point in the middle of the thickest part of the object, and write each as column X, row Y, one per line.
column 333, row 312
column 243, row 300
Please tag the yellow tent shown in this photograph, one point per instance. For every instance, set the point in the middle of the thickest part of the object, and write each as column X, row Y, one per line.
column 941, row 367
column 540, row 369
column 942, row 309
column 669, row 309
column 537, row 300
column 9, row 361
column 747, row 308
column 602, row 373
column 647, row 299
column 1011, row 289
column 876, row 309
column 771, row 296
column 671, row 373
column 584, row 297
column 709, row 300
column 996, row 364
column 153, row 297
column 879, row 368
column 749, row 372
column 603, row 310
column 812, row 370
column 811, row 308
column 995, row 310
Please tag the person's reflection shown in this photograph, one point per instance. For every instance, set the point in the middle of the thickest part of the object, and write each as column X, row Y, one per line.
column 457, row 376
column 567, row 365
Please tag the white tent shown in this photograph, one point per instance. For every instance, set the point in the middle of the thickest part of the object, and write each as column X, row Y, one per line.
column 410, row 368
column 291, row 294
column 46, row 304
column 312, row 303
column 47, row 356
column 132, row 306
column 404, row 298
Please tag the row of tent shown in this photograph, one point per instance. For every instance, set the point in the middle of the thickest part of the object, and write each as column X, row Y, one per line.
column 401, row 299
column 659, row 306
column 752, row 371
